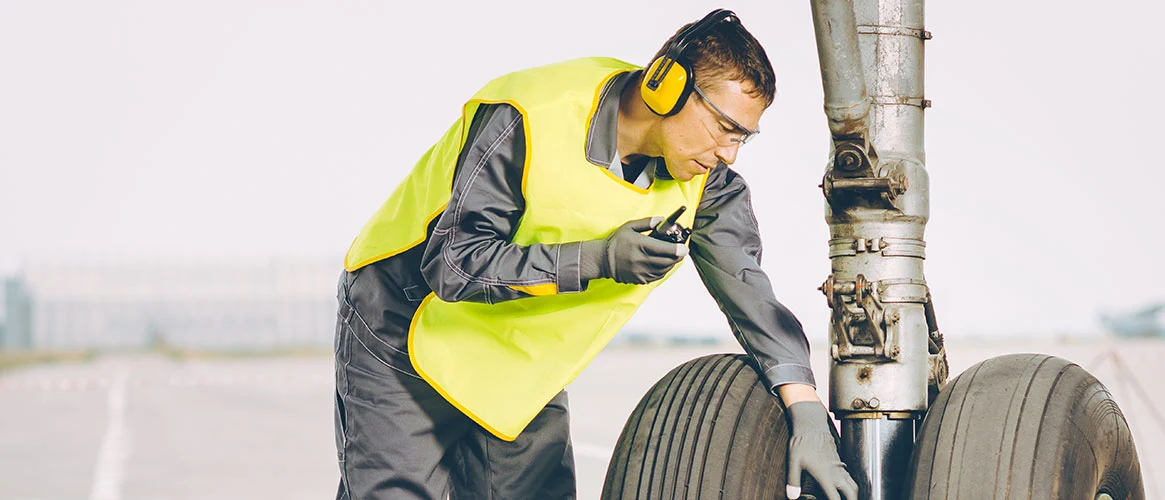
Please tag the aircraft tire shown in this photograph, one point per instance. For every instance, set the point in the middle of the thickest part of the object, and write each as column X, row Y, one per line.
column 707, row 429
column 1025, row 426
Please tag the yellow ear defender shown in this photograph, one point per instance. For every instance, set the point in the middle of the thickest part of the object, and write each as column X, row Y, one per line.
column 669, row 79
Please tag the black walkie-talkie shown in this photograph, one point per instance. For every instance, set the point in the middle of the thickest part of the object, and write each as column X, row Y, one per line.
column 669, row 230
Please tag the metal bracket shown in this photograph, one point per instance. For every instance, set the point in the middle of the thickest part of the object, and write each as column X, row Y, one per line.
column 891, row 100
column 937, row 374
column 854, row 158
column 939, row 371
column 862, row 328
column 888, row 187
column 887, row 246
column 854, row 172
column 882, row 29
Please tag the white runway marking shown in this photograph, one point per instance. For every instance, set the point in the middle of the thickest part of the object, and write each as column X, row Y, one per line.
column 110, row 470
column 586, row 450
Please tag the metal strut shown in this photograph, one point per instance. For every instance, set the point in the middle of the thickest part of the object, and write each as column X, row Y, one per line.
column 887, row 355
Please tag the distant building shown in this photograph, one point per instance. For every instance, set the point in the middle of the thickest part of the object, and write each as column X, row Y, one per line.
column 17, row 328
column 202, row 304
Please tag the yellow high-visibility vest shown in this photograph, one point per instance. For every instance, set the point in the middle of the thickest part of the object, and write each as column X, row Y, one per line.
column 501, row 363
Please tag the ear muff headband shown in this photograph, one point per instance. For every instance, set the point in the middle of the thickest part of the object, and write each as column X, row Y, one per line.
column 669, row 79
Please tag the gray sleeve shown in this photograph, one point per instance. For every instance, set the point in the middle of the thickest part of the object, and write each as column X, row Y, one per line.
column 726, row 248
column 469, row 255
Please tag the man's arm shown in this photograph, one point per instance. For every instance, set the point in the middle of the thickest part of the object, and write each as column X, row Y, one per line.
column 726, row 248
column 469, row 255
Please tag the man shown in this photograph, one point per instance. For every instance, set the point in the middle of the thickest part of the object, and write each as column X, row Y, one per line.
column 517, row 247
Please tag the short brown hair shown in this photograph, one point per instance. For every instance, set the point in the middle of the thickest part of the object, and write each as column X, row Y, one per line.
column 728, row 52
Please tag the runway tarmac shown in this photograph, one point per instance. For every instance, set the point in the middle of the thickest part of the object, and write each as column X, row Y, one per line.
column 149, row 427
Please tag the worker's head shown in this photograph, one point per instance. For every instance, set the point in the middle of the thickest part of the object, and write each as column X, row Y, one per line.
column 712, row 99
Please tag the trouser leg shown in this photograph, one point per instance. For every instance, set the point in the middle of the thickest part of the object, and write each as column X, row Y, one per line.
column 539, row 464
column 398, row 438
column 393, row 431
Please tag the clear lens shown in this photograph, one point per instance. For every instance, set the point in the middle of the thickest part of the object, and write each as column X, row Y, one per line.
column 728, row 138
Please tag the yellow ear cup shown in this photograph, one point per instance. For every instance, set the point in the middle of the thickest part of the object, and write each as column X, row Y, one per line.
column 668, row 97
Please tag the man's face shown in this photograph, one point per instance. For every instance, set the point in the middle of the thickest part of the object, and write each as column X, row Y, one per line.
column 702, row 133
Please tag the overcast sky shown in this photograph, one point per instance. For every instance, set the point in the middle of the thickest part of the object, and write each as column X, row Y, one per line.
column 247, row 128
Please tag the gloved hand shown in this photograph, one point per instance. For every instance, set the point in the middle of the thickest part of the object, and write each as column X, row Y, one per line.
column 629, row 256
column 813, row 449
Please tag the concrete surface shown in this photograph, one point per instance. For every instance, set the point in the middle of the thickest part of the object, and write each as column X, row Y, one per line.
column 130, row 427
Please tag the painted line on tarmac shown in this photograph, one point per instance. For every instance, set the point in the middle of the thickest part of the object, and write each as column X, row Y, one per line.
column 110, row 470
column 594, row 452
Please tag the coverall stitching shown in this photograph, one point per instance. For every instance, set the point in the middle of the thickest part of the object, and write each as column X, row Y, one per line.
column 377, row 358
column 557, row 273
column 489, row 282
column 344, row 461
column 343, row 458
column 747, row 344
column 347, row 390
column 779, row 366
column 351, row 311
column 740, row 336
column 452, row 229
column 369, row 328
column 751, row 214
column 347, row 383
column 578, row 269
column 485, row 281
column 346, row 321
column 409, row 296
column 756, row 228
column 489, row 482
column 485, row 157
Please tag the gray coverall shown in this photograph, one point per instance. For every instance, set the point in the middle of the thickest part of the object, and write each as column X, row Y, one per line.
column 397, row 438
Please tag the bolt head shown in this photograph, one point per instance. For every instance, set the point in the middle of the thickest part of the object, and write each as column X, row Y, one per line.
column 849, row 160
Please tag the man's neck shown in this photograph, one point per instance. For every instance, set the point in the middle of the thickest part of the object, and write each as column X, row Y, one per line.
column 636, row 125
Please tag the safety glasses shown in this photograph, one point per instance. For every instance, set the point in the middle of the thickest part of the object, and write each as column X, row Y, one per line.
column 738, row 135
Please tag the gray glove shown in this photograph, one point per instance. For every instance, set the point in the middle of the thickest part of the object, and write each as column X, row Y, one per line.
column 813, row 449
column 629, row 256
